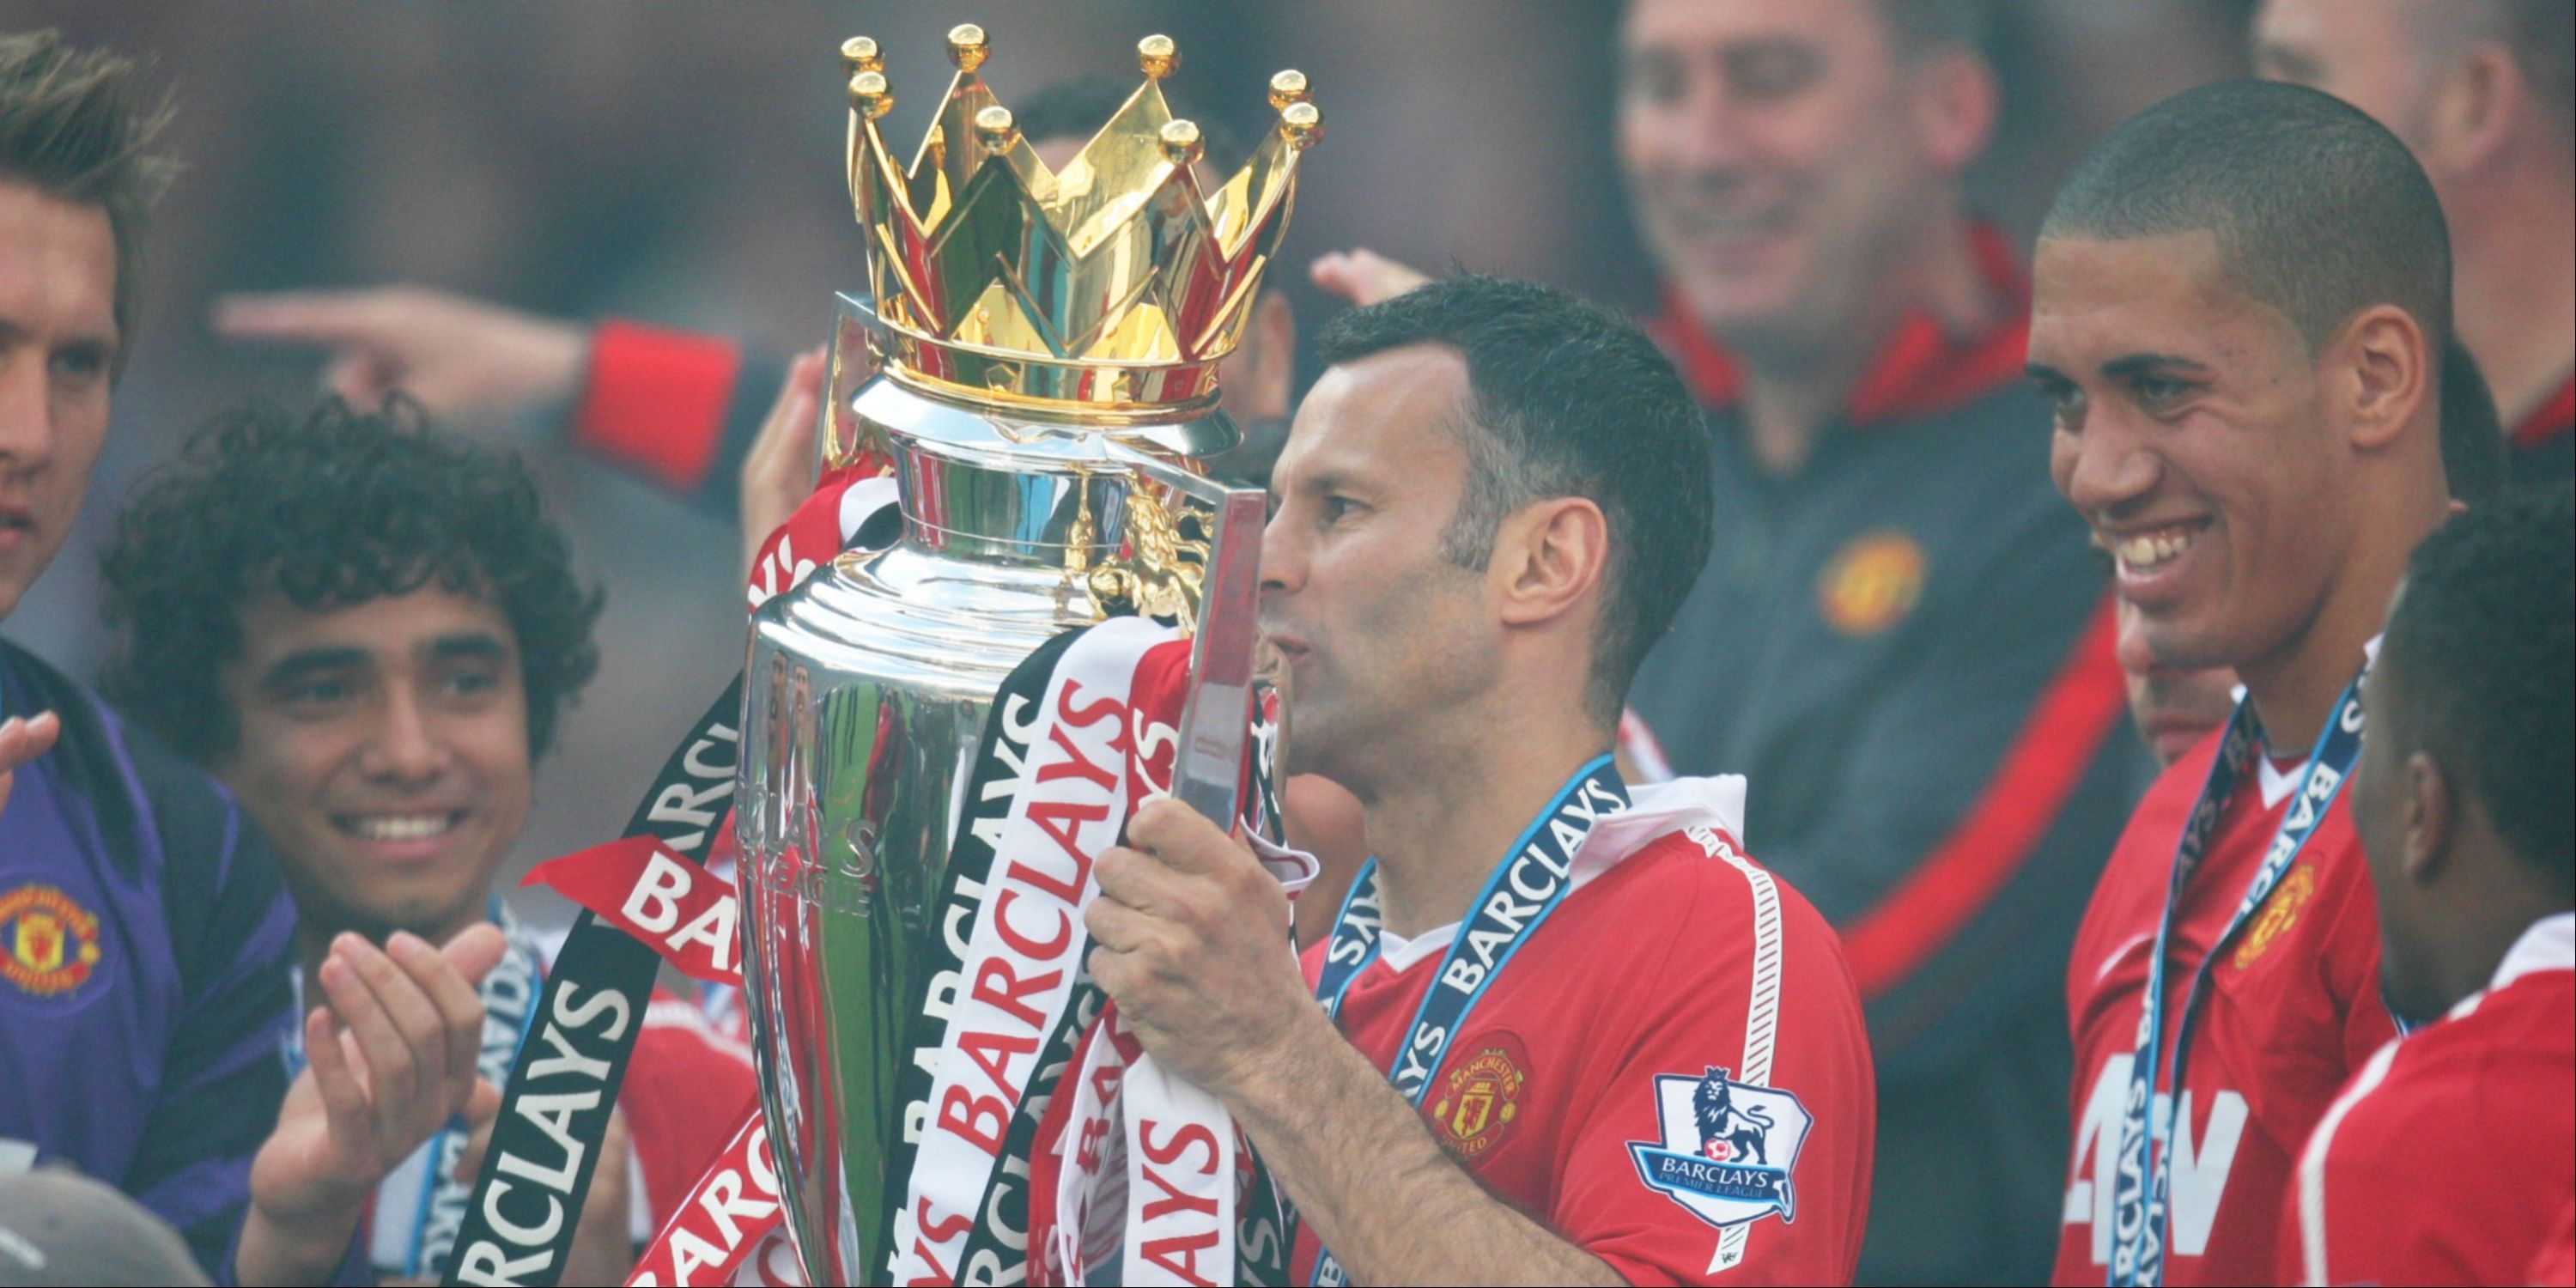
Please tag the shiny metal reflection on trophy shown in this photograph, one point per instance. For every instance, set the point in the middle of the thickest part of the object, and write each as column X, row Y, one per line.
column 1040, row 350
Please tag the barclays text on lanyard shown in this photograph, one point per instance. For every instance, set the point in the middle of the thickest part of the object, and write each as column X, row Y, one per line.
column 2142, row 1196
column 508, row 994
column 1537, row 870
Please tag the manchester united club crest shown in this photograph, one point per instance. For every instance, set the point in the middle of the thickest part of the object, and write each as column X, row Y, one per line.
column 1871, row 583
column 48, row 944
column 1478, row 1100
column 2280, row 912
column 1728, row 1150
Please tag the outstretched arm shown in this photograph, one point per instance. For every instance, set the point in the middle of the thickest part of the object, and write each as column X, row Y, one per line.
column 467, row 360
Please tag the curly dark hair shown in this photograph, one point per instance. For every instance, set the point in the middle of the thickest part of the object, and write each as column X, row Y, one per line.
column 331, row 509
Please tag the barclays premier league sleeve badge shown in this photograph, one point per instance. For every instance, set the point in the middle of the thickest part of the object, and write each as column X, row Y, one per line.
column 1728, row 1147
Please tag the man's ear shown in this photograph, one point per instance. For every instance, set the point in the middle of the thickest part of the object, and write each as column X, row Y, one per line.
column 2474, row 111
column 2380, row 369
column 1957, row 102
column 1549, row 557
column 2431, row 816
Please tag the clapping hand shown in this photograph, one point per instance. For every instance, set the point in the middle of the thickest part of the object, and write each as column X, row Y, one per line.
column 390, row 1058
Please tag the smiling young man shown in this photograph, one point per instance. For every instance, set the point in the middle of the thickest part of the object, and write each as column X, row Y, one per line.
column 2175, row 707
column 369, row 632
column 2241, row 298
column 143, row 930
column 2462, row 803
column 1620, row 1051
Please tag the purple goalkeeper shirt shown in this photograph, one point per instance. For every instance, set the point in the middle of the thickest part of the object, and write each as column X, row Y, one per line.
column 144, row 943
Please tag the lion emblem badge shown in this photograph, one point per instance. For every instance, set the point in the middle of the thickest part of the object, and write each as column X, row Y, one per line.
column 1729, row 1148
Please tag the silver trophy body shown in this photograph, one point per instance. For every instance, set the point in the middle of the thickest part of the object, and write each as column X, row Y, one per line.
column 865, row 692
column 1047, row 344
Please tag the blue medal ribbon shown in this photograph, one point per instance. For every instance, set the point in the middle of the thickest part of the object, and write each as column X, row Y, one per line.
column 1533, row 878
column 2143, row 1186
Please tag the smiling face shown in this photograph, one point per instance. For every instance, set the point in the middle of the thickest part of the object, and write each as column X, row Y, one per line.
column 384, row 748
column 58, row 341
column 1381, row 635
column 2192, row 435
column 1772, row 151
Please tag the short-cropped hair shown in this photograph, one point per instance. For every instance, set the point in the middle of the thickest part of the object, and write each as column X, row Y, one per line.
column 2318, row 210
column 78, row 126
column 329, row 509
column 1564, row 398
column 2480, row 641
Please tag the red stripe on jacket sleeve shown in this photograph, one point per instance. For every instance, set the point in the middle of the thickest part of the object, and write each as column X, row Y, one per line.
column 2549, row 419
column 2041, row 768
column 655, row 400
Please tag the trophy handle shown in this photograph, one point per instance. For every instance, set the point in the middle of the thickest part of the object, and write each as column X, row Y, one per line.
column 1216, row 719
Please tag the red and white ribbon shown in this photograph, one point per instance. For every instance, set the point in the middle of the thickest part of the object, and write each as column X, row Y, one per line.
column 687, row 914
column 729, row 1215
column 1026, row 946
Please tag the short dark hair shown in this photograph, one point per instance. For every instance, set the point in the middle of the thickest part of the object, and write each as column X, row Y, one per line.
column 2473, row 456
column 330, row 509
column 2318, row 210
column 2479, row 645
column 78, row 126
column 1076, row 109
column 1564, row 398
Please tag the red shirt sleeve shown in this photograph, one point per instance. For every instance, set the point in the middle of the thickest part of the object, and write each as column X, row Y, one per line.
column 656, row 400
column 1705, row 1018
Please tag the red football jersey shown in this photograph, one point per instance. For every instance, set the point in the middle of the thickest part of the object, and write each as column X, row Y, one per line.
column 2447, row 1159
column 1600, row 1085
column 2554, row 1266
column 2292, row 1009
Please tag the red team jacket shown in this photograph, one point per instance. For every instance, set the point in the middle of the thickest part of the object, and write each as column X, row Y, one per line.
column 2445, row 1162
column 2293, row 1008
column 1596, row 1037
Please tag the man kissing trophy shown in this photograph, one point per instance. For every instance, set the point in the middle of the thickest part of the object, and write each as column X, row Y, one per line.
column 940, row 734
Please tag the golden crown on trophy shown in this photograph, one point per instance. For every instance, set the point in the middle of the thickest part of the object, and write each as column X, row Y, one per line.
column 1115, row 284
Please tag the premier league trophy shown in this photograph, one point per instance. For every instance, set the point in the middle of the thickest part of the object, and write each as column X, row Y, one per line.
column 1044, row 349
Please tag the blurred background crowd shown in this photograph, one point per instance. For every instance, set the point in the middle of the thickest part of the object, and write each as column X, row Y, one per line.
column 1943, row 758
column 679, row 164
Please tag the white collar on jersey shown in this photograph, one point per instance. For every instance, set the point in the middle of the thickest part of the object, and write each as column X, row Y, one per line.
column 2276, row 782
column 1654, row 809
column 2550, row 944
